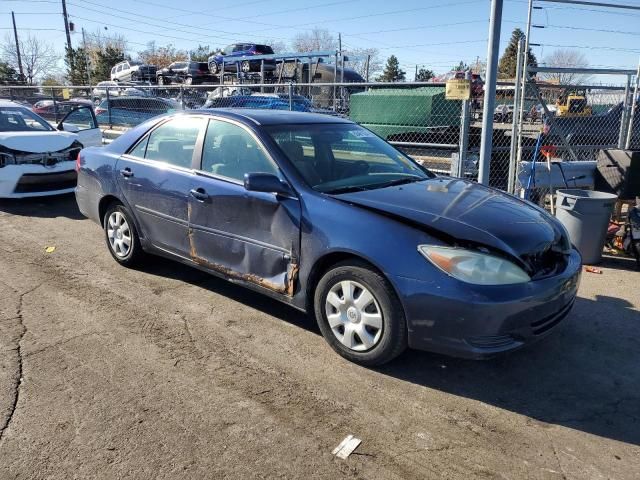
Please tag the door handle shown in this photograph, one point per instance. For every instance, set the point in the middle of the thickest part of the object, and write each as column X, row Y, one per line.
column 126, row 172
column 199, row 194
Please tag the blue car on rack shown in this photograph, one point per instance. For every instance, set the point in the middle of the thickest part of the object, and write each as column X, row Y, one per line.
column 230, row 56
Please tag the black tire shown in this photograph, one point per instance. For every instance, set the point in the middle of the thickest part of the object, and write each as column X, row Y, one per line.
column 393, row 338
column 245, row 66
column 135, row 253
column 160, row 80
column 188, row 80
column 214, row 67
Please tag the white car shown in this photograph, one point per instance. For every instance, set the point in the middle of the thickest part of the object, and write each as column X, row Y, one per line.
column 37, row 159
column 100, row 90
column 130, row 71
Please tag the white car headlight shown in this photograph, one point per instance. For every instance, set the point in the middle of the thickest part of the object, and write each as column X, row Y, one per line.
column 474, row 267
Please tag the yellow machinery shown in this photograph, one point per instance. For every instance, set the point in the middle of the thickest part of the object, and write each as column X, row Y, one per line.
column 573, row 104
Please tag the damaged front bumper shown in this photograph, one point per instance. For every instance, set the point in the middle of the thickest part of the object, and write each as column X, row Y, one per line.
column 33, row 180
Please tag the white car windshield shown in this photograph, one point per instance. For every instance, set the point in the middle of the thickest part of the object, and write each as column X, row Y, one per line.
column 18, row 119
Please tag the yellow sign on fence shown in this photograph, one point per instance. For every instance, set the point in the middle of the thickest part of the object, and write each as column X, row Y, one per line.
column 458, row 89
column 66, row 93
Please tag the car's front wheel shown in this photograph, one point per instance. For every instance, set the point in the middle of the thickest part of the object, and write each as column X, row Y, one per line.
column 359, row 314
column 188, row 80
column 213, row 67
column 160, row 80
column 245, row 66
column 121, row 236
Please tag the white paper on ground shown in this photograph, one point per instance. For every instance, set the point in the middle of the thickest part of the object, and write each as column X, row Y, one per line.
column 346, row 447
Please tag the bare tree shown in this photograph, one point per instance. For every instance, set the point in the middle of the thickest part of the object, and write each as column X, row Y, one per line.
column 313, row 40
column 278, row 46
column 38, row 57
column 565, row 58
column 358, row 61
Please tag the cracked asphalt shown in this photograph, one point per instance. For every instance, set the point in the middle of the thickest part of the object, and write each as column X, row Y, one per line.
column 165, row 372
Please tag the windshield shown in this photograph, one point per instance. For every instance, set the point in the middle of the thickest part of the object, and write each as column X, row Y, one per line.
column 18, row 119
column 339, row 158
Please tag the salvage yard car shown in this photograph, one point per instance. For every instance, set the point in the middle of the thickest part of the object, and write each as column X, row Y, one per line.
column 35, row 158
column 320, row 213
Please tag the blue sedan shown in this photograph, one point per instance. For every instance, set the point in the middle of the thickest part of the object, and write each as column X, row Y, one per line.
column 322, row 214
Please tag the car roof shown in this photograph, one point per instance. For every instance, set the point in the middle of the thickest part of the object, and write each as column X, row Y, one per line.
column 9, row 103
column 271, row 117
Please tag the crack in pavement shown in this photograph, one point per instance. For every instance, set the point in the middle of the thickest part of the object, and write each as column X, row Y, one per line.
column 19, row 373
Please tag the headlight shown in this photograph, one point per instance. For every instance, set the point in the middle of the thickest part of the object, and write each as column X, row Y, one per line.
column 474, row 267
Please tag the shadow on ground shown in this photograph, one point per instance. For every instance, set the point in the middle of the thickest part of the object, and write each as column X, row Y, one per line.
column 43, row 207
column 584, row 377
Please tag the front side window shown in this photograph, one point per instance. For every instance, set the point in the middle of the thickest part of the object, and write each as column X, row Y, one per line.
column 18, row 119
column 230, row 151
column 173, row 142
column 338, row 158
column 82, row 118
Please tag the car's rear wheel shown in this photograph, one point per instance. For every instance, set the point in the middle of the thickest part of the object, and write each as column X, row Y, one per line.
column 245, row 66
column 188, row 80
column 134, row 77
column 121, row 236
column 360, row 315
column 213, row 67
column 160, row 80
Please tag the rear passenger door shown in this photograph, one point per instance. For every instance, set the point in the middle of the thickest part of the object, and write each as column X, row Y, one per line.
column 253, row 236
column 155, row 177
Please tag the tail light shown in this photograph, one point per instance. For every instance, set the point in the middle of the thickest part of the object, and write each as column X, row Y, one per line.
column 100, row 110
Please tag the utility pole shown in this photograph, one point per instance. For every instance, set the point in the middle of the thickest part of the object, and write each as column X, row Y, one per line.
column 66, row 25
column 493, row 50
column 15, row 34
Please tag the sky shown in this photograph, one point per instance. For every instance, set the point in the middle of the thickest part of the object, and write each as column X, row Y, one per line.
column 434, row 34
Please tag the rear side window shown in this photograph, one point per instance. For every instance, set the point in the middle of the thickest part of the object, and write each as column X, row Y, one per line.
column 264, row 49
column 174, row 141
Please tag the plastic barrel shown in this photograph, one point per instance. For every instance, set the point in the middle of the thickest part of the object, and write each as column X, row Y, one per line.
column 585, row 214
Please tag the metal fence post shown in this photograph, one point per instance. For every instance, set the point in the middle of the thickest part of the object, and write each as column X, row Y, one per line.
column 109, row 107
column 290, row 96
column 55, row 106
column 515, row 126
column 182, row 96
column 464, row 133
column 634, row 104
column 626, row 109
column 486, row 141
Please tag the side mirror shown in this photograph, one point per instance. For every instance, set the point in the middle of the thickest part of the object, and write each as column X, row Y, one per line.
column 68, row 127
column 268, row 183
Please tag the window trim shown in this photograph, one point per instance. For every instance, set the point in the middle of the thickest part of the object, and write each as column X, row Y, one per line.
column 198, row 170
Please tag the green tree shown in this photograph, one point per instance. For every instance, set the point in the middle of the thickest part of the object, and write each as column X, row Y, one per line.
column 201, row 54
column 424, row 75
column 461, row 67
column 9, row 75
column 77, row 66
column 105, row 60
column 392, row 71
column 508, row 61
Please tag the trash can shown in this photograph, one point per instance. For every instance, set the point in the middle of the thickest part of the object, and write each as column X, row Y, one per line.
column 585, row 214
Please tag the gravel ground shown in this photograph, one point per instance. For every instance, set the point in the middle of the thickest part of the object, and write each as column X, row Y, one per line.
column 166, row 372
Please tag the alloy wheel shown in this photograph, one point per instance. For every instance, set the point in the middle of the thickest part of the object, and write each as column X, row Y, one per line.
column 354, row 315
column 119, row 234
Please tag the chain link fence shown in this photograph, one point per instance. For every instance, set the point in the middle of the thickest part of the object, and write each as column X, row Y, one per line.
column 563, row 128
column 571, row 123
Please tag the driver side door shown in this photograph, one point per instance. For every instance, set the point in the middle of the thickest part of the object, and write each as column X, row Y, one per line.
column 252, row 236
column 84, row 120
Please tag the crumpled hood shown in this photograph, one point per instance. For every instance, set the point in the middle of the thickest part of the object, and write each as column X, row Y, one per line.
column 37, row 142
column 467, row 212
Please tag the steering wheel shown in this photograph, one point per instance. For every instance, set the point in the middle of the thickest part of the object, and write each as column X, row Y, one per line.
column 359, row 167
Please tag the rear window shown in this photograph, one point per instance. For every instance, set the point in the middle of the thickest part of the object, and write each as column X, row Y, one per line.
column 264, row 49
